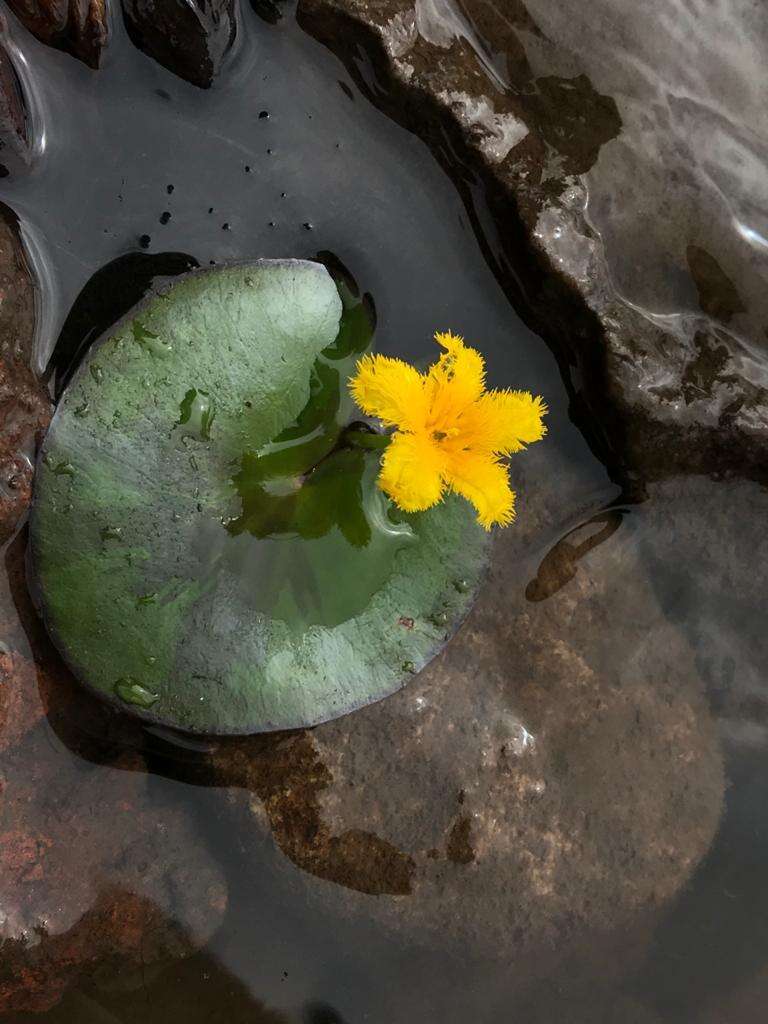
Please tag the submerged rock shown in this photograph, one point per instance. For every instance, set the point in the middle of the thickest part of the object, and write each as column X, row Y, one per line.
column 20, row 706
column 77, row 26
column 95, row 876
column 554, row 774
column 651, row 294
column 102, row 874
column 189, row 38
column 223, row 997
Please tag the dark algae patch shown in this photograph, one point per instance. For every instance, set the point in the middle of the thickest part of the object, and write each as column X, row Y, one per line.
column 209, row 546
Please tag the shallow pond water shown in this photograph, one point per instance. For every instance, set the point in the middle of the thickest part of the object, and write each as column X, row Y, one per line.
column 559, row 820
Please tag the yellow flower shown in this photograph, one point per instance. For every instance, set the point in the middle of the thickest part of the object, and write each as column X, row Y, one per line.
column 451, row 434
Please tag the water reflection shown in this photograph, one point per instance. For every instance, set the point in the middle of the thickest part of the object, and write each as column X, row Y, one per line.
column 149, row 997
column 560, row 564
column 314, row 529
column 507, row 835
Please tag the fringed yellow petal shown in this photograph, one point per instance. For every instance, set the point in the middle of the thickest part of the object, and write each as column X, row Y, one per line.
column 485, row 482
column 411, row 472
column 391, row 390
column 454, row 382
column 502, row 422
column 451, row 431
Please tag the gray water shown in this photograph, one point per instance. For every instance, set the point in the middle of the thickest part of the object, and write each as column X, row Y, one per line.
column 589, row 750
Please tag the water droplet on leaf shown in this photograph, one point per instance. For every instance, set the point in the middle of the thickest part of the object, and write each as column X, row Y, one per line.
column 196, row 414
column 149, row 340
column 132, row 692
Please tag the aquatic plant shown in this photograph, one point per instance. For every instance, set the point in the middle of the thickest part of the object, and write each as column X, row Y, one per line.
column 450, row 433
column 208, row 544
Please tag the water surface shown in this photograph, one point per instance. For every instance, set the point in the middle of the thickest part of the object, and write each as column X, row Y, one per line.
column 555, row 729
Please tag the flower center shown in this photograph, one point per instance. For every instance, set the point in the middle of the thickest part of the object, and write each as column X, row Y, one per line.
column 442, row 435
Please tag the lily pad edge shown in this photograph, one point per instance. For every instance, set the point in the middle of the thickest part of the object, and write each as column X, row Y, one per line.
column 37, row 592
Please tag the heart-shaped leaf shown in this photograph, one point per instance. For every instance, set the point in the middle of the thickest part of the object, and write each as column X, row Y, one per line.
column 206, row 548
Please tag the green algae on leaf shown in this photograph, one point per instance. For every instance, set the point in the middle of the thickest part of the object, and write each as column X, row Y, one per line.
column 227, row 563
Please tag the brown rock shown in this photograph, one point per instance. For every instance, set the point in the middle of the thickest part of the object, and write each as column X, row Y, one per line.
column 96, row 877
column 13, row 117
column 14, row 132
column 20, row 705
column 554, row 774
column 17, row 292
column 77, row 26
column 25, row 407
column 191, row 38
column 93, row 875
column 25, row 412
column 510, row 104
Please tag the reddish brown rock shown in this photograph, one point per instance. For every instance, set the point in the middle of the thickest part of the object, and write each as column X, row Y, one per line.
column 25, row 406
column 77, row 26
column 97, row 878
column 12, row 114
column 17, row 292
column 14, row 130
column 93, row 876
column 289, row 779
column 20, row 704
column 25, row 412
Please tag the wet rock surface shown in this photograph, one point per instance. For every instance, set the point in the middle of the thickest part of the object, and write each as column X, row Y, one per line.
column 17, row 292
column 20, row 706
column 102, row 875
column 548, row 796
column 189, row 38
column 25, row 407
column 78, row 26
column 529, row 789
column 95, row 875
column 14, row 130
column 667, row 369
column 25, row 411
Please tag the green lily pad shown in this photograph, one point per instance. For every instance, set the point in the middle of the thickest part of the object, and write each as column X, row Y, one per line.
column 206, row 549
